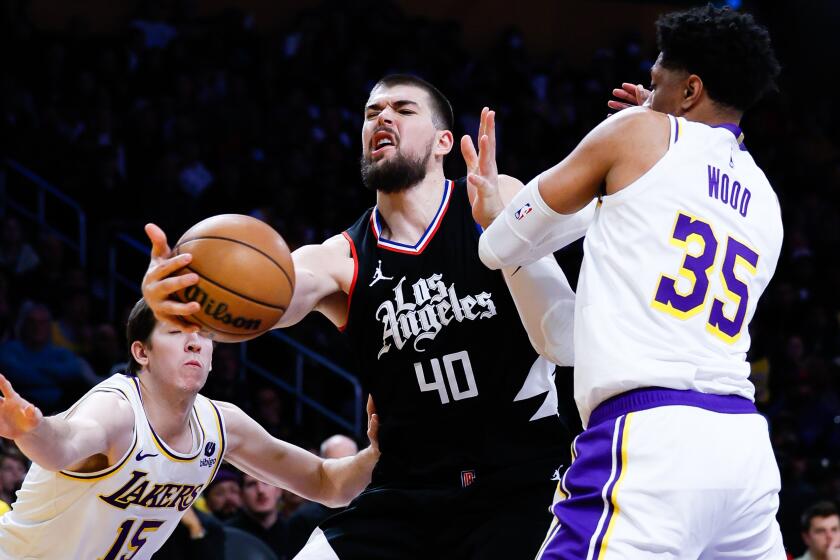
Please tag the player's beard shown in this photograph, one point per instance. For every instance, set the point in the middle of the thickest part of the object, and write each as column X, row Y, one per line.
column 396, row 174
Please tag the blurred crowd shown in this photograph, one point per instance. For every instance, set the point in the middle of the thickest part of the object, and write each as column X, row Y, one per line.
column 177, row 117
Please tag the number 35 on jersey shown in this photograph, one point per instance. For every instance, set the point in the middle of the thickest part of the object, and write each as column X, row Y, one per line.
column 686, row 293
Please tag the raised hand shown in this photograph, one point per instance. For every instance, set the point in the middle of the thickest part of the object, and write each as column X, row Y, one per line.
column 482, row 173
column 373, row 424
column 629, row 95
column 18, row 416
column 159, row 285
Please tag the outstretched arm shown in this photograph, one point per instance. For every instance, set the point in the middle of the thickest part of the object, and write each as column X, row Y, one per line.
column 332, row 482
column 322, row 272
column 539, row 289
column 101, row 425
column 615, row 154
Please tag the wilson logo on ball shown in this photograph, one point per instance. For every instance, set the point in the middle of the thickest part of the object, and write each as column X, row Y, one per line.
column 219, row 310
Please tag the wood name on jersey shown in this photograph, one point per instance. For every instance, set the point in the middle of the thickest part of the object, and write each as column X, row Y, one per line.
column 435, row 305
column 142, row 492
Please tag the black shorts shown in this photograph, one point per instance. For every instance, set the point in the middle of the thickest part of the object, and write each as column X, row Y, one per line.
column 503, row 515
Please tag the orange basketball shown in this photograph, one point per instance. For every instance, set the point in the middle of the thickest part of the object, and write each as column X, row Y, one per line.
column 246, row 276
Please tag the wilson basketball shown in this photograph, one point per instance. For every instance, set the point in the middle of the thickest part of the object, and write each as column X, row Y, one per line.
column 246, row 276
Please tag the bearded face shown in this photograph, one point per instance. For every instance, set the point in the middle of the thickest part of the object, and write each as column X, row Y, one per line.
column 394, row 172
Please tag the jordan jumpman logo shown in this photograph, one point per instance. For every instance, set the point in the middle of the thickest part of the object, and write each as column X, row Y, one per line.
column 377, row 275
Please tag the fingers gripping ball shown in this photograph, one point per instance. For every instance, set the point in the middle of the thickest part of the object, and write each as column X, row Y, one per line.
column 246, row 276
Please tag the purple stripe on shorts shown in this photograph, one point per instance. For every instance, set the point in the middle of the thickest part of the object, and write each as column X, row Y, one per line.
column 579, row 514
column 653, row 397
column 611, row 488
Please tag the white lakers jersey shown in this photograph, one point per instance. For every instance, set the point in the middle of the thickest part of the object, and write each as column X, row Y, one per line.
column 125, row 511
column 673, row 267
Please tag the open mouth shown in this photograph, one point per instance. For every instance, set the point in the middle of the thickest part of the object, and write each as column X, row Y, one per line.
column 381, row 141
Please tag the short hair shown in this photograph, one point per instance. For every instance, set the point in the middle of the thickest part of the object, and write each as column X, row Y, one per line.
column 729, row 50
column 442, row 114
column 820, row 509
column 141, row 322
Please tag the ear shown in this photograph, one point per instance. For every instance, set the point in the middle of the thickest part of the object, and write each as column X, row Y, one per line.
column 693, row 92
column 443, row 143
column 138, row 352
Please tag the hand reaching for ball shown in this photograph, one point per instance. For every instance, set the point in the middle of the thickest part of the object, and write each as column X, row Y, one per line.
column 159, row 284
column 230, row 275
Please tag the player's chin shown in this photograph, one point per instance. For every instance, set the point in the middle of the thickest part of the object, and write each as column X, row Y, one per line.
column 192, row 379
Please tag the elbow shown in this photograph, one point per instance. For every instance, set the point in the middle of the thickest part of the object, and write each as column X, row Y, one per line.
column 486, row 254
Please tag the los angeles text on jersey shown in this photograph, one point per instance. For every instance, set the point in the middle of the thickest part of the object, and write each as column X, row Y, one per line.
column 144, row 493
column 435, row 305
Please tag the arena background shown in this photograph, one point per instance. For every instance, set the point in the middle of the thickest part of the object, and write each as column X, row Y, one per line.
column 127, row 112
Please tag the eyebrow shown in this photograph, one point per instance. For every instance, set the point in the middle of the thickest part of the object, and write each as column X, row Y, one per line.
column 396, row 104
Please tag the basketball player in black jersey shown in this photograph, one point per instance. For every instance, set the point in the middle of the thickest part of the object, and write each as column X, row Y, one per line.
column 469, row 431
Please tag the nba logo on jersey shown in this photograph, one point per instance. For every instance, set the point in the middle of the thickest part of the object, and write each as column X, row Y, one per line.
column 210, row 448
column 467, row 478
column 524, row 211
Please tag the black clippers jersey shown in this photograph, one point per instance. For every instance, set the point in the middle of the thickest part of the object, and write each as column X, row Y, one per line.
column 457, row 385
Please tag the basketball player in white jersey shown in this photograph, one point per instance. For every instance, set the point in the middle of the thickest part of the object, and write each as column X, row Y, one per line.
column 674, row 462
column 112, row 476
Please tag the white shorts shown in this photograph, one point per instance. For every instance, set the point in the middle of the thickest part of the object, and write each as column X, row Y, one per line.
column 669, row 474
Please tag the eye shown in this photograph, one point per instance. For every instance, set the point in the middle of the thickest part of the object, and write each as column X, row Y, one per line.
column 406, row 112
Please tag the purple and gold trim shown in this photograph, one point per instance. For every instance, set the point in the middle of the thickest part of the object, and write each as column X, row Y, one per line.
column 654, row 397
column 736, row 132
column 585, row 519
column 220, row 423
column 589, row 494
column 161, row 445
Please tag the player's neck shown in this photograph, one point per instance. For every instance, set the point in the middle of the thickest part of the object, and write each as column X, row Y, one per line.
column 168, row 412
column 406, row 214
column 713, row 115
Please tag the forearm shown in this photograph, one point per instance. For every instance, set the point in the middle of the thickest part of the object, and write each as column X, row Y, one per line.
column 344, row 479
column 546, row 305
column 51, row 444
column 528, row 229
column 304, row 299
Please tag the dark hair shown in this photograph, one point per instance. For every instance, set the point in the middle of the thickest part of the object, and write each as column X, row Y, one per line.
column 820, row 509
column 728, row 50
column 141, row 323
column 442, row 114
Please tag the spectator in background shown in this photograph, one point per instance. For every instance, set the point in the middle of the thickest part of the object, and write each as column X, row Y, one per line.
column 821, row 532
column 13, row 467
column 16, row 255
column 224, row 493
column 260, row 514
column 268, row 411
column 72, row 328
column 198, row 536
column 310, row 514
column 40, row 370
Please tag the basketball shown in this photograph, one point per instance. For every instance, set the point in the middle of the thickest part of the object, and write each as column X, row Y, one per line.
column 246, row 276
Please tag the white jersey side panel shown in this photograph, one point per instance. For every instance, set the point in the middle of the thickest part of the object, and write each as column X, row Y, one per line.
column 127, row 510
column 673, row 267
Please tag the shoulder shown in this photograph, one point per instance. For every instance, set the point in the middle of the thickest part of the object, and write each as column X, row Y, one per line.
column 635, row 124
column 109, row 410
column 336, row 246
column 236, row 421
